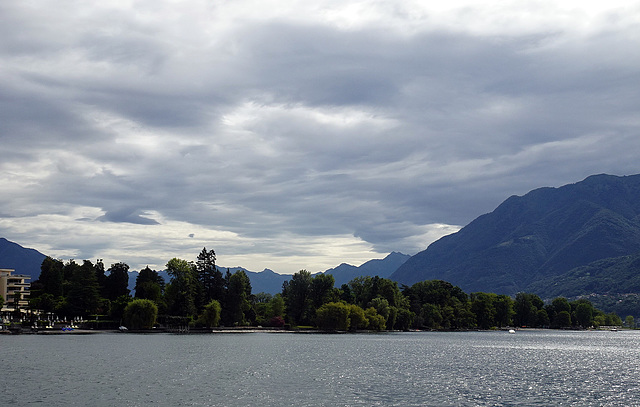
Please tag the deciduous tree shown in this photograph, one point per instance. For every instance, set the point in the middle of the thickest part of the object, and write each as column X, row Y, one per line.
column 140, row 314
column 296, row 294
column 333, row 316
column 211, row 314
column 182, row 289
column 84, row 296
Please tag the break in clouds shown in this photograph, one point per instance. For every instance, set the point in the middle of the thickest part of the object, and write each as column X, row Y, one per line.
column 300, row 135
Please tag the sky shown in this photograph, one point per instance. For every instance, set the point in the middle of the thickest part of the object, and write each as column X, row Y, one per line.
column 300, row 135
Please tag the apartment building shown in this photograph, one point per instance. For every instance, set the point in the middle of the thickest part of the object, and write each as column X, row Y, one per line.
column 12, row 285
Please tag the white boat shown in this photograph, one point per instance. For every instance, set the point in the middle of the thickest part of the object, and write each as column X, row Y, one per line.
column 512, row 331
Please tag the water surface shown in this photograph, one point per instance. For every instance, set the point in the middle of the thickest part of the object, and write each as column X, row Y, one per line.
column 530, row 368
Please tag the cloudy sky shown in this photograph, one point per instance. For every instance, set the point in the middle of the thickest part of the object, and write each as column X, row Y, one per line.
column 300, row 134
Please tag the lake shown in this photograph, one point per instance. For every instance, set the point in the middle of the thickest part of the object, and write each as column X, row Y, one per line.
column 529, row 368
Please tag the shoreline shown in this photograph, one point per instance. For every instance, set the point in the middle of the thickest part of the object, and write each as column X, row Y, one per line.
column 270, row 330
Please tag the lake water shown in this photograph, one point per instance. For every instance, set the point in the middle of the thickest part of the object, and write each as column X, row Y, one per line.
column 530, row 368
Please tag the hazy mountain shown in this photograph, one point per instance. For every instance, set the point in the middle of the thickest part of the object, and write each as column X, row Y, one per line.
column 270, row 282
column 534, row 237
column 21, row 259
column 266, row 281
column 376, row 267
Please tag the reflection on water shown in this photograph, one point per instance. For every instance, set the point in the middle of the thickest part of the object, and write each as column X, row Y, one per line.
column 405, row 369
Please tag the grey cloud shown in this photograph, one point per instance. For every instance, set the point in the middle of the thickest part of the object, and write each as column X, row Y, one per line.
column 128, row 215
column 340, row 132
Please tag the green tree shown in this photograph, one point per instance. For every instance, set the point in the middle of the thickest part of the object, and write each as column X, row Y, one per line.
column 149, row 285
column 482, row 305
column 450, row 305
column 383, row 309
column 118, row 306
column 361, row 289
column 504, row 310
column 630, row 321
column 277, row 306
column 211, row 314
column 182, row 289
column 346, row 295
column 563, row 319
column 84, row 297
column 613, row 319
column 357, row 318
column 237, row 309
column 526, row 309
column 52, row 277
column 333, row 316
column 101, row 277
column 320, row 289
column 558, row 305
column 376, row 321
column 599, row 320
column 405, row 319
column 542, row 318
column 430, row 317
column 210, row 277
column 117, row 282
column 584, row 313
column 140, row 314
column 561, row 304
column 296, row 294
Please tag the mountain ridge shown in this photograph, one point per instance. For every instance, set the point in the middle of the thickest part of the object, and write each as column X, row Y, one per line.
column 28, row 261
column 543, row 233
column 23, row 260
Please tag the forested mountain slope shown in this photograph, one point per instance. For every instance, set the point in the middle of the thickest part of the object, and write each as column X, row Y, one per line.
column 542, row 234
column 21, row 259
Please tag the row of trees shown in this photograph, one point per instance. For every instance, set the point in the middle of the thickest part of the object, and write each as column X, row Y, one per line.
column 71, row 289
column 378, row 303
column 196, row 289
column 200, row 294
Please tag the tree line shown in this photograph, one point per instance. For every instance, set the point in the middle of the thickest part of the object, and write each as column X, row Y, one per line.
column 199, row 294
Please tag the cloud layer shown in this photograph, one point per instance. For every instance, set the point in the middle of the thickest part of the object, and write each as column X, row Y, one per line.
column 300, row 135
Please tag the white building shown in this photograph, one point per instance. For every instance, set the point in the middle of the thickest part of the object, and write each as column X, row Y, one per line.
column 11, row 286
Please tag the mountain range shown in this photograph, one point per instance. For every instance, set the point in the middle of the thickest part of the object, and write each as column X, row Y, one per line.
column 377, row 267
column 268, row 281
column 546, row 239
column 28, row 261
column 580, row 239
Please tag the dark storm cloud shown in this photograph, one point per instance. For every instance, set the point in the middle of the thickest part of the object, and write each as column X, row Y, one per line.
column 127, row 215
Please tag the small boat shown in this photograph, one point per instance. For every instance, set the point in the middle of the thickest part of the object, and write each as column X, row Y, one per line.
column 122, row 328
column 512, row 331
